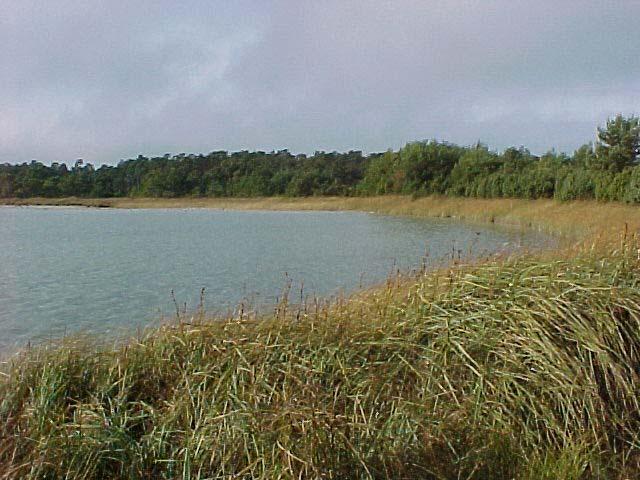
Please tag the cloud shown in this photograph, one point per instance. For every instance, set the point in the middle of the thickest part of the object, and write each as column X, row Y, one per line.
column 109, row 80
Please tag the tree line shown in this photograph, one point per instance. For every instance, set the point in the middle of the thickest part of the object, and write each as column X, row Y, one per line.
column 605, row 170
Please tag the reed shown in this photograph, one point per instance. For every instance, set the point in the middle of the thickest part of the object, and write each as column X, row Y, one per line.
column 524, row 367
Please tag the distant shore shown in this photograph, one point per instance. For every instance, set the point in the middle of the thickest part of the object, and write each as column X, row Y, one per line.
column 569, row 219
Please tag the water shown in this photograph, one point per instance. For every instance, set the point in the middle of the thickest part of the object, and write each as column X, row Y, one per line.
column 64, row 270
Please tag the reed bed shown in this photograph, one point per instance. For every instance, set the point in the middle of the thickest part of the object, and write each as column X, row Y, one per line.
column 524, row 367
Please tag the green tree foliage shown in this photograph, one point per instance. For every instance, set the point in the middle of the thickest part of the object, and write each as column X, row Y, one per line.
column 428, row 165
column 470, row 176
column 379, row 174
column 618, row 143
column 606, row 171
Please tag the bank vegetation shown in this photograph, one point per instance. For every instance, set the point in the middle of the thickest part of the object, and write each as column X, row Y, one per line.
column 522, row 367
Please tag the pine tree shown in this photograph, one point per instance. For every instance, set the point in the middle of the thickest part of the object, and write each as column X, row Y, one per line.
column 618, row 143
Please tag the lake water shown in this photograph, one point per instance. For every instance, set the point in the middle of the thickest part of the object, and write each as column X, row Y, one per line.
column 99, row 270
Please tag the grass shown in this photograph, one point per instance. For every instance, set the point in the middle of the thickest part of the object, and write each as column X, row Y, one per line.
column 526, row 367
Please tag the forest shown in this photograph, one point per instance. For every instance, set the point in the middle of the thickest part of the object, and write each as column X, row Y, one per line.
column 606, row 170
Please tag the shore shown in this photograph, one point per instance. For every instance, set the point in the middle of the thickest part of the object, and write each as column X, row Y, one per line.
column 573, row 220
column 521, row 367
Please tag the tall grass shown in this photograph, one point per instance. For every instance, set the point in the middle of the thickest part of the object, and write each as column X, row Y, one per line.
column 526, row 367
column 517, row 368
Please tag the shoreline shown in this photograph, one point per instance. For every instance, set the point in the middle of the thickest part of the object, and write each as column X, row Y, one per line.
column 521, row 351
column 578, row 220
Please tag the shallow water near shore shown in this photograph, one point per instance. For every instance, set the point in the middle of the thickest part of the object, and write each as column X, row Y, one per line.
column 65, row 270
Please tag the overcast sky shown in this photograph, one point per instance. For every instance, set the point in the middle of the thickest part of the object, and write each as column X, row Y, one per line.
column 109, row 80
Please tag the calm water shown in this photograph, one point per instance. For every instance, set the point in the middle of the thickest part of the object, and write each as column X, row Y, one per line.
column 69, row 269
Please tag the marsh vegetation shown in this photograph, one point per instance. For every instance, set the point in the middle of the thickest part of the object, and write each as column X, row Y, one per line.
column 522, row 367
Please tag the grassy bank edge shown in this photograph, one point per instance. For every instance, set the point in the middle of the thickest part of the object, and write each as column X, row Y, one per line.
column 572, row 220
column 84, row 390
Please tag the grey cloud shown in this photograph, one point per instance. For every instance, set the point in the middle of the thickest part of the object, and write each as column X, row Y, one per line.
column 109, row 80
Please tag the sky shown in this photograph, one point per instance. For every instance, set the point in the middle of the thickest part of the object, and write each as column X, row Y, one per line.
column 109, row 80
